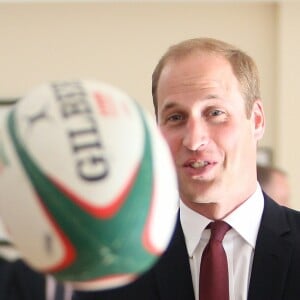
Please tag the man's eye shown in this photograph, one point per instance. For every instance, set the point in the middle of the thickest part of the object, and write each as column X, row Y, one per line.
column 216, row 112
column 175, row 117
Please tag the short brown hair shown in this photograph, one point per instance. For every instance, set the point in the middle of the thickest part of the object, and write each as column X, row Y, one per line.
column 243, row 66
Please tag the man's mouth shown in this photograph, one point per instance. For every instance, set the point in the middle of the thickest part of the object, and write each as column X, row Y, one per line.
column 198, row 164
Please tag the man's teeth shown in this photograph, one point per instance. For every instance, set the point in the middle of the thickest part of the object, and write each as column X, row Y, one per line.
column 199, row 164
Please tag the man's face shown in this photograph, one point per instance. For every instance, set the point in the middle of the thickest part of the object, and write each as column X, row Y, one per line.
column 201, row 113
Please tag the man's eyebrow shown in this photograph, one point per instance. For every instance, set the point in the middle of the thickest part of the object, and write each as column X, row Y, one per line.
column 169, row 106
column 172, row 104
column 212, row 96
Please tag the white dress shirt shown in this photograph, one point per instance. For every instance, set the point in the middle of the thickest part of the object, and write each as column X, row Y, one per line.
column 239, row 242
column 51, row 289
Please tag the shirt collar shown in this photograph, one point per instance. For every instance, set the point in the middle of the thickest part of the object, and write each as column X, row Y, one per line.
column 245, row 220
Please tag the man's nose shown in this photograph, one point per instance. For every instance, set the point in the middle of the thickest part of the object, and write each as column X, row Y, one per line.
column 196, row 136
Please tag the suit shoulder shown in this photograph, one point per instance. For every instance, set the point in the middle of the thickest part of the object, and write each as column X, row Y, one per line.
column 293, row 216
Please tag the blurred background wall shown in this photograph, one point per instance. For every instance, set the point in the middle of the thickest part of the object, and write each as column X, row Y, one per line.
column 120, row 43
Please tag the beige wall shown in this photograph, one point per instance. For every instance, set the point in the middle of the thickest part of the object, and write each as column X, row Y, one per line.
column 288, row 140
column 120, row 44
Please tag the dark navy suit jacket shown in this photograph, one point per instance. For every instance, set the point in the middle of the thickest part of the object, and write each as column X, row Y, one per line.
column 275, row 272
column 19, row 282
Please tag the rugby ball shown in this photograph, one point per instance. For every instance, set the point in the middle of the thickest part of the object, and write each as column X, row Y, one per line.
column 87, row 184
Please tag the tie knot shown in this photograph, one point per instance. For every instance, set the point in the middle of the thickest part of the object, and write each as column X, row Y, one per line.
column 218, row 230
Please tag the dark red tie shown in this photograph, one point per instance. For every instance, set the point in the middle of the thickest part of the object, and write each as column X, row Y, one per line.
column 213, row 284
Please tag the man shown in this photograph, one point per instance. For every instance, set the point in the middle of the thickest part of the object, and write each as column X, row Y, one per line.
column 207, row 102
column 274, row 182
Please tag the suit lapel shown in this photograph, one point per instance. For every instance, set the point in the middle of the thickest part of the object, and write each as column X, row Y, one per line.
column 174, row 275
column 272, row 254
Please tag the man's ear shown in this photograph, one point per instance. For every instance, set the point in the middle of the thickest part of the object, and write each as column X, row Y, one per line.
column 258, row 119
